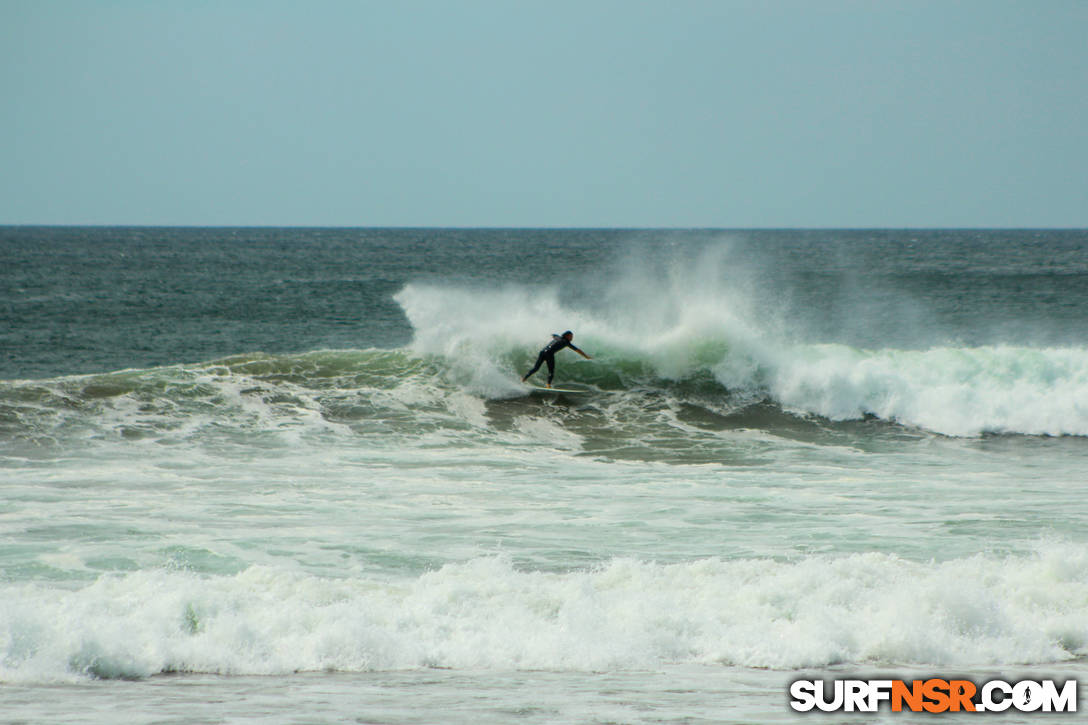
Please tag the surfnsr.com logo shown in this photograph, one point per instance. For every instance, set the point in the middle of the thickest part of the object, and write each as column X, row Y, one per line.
column 933, row 695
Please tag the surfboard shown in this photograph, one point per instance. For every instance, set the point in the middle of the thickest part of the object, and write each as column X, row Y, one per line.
column 538, row 389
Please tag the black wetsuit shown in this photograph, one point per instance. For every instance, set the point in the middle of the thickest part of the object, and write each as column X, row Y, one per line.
column 547, row 355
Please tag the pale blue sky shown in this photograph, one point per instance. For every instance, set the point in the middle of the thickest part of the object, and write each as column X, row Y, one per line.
column 678, row 113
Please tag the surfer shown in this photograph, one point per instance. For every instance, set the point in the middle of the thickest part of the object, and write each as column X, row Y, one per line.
column 547, row 355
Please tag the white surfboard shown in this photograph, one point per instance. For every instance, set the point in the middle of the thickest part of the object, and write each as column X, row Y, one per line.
column 538, row 389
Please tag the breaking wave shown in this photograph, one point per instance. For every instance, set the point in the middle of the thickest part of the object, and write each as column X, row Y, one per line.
column 635, row 392
column 486, row 613
column 693, row 340
column 707, row 347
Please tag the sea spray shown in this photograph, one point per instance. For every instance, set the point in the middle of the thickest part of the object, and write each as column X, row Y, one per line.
column 958, row 391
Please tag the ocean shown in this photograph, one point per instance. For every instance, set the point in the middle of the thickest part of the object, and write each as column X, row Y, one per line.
column 292, row 475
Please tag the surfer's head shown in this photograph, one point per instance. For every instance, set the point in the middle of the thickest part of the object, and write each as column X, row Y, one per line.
column 569, row 335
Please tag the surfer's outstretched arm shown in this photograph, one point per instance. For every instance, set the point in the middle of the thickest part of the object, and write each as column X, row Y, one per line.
column 580, row 352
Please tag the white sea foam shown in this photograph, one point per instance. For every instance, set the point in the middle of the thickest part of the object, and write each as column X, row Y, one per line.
column 677, row 323
column 956, row 391
column 485, row 613
column 542, row 430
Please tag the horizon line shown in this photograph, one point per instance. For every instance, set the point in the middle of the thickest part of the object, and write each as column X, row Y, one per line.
column 409, row 227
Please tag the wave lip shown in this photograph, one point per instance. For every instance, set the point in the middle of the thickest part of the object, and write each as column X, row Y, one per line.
column 953, row 391
column 872, row 609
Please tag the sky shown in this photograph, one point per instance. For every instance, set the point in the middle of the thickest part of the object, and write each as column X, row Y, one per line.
column 510, row 113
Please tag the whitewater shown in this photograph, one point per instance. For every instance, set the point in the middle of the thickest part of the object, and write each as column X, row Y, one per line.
column 957, row 391
column 264, row 475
